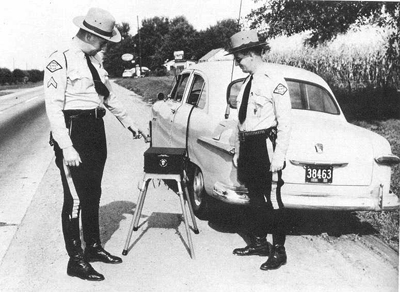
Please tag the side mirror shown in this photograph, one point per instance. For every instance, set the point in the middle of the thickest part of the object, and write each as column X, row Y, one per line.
column 160, row 96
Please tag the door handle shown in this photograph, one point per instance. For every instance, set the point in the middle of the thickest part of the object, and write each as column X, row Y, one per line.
column 173, row 110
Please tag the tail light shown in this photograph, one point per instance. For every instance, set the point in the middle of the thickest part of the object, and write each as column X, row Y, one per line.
column 388, row 160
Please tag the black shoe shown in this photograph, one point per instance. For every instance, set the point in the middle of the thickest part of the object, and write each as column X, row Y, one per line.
column 260, row 247
column 95, row 253
column 277, row 259
column 78, row 267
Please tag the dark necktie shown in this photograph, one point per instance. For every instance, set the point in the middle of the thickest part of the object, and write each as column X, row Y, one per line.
column 245, row 101
column 98, row 85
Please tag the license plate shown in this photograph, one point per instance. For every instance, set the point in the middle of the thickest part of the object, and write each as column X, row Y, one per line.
column 319, row 174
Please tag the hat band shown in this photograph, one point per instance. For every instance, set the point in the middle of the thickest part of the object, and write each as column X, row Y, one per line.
column 98, row 30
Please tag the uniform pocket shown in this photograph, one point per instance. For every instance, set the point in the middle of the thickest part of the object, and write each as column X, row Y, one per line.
column 79, row 80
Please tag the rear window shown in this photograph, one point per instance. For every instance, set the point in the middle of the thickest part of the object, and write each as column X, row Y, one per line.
column 307, row 96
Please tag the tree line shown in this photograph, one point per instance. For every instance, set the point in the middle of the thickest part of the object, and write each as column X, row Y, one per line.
column 158, row 38
column 19, row 76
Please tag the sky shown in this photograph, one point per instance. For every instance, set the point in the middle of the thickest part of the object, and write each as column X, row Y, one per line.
column 32, row 29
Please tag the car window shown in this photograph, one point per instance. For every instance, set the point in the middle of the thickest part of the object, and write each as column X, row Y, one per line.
column 179, row 88
column 233, row 91
column 312, row 97
column 197, row 95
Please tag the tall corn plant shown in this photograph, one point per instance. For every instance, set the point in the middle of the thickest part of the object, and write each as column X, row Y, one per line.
column 345, row 63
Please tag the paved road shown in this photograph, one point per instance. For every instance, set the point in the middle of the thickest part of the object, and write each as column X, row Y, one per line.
column 24, row 156
column 158, row 259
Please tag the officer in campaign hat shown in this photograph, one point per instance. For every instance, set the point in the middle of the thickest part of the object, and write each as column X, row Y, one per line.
column 77, row 91
column 263, row 133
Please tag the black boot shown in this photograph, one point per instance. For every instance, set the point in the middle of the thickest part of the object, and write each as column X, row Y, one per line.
column 78, row 267
column 276, row 259
column 95, row 253
column 259, row 247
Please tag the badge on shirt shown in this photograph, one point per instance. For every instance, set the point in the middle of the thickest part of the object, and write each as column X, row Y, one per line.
column 280, row 89
column 53, row 66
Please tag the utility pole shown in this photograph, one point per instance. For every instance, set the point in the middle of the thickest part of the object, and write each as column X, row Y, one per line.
column 140, row 46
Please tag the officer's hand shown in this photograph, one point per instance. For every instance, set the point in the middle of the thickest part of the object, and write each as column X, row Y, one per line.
column 71, row 156
column 276, row 165
column 138, row 133
column 235, row 159
column 135, row 133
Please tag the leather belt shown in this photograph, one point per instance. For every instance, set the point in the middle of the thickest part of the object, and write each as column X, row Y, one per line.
column 96, row 113
column 270, row 133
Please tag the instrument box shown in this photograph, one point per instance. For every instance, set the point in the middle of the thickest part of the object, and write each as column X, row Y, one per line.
column 163, row 160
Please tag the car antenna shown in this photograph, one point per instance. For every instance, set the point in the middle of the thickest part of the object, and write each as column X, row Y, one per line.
column 228, row 108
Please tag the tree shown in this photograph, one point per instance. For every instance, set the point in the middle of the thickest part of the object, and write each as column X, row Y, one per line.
column 5, row 76
column 18, row 75
column 150, row 39
column 217, row 36
column 324, row 19
column 180, row 37
column 112, row 58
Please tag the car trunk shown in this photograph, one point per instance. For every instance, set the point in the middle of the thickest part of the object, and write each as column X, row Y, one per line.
column 331, row 143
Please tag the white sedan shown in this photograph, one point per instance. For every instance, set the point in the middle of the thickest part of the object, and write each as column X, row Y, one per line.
column 129, row 73
column 331, row 164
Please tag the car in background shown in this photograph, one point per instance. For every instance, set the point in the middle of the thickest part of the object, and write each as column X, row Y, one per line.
column 130, row 73
column 330, row 164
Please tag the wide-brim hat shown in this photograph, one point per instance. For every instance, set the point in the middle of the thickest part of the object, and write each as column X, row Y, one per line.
column 99, row 22
column 245, row 40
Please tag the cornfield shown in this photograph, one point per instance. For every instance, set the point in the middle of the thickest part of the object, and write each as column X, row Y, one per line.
column 356, row 60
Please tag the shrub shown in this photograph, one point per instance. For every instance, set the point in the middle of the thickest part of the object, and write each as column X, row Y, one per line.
column 5, row 76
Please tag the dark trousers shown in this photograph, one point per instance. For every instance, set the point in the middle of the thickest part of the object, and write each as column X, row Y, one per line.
column 253, row 171
column 89, row 140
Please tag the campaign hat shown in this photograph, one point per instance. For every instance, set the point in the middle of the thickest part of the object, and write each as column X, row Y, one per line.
column 99, row 22
column 245, row 40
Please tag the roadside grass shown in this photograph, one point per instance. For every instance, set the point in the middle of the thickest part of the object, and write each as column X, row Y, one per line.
column 385, row 223
column 7, row 89
column 148, row 87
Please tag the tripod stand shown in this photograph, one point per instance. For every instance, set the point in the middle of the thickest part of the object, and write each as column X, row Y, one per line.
column 183, row 194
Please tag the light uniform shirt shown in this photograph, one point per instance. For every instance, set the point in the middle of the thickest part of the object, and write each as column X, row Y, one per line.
column 68, row 85
column 269, row 106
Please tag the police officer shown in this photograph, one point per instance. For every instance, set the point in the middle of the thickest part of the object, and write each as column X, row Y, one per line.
column 77, row 91
column 262, row 141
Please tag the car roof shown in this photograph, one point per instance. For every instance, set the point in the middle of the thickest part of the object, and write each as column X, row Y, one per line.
column 220, row 74
column 223, row 69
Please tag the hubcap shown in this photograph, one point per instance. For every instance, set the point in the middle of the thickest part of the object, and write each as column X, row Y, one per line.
column 198, row 187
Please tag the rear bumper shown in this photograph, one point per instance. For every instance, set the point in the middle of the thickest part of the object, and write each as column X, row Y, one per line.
column 318, row 197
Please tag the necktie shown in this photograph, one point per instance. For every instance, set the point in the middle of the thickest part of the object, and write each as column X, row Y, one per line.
column 245, row 101
column 98, row 85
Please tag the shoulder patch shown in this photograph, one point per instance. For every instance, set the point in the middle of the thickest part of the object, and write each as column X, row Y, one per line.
column 280, row 89
column 53, row 66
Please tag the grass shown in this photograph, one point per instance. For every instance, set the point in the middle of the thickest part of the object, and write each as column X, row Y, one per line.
column 6, row 89
column 385, row 223
column 148, row 87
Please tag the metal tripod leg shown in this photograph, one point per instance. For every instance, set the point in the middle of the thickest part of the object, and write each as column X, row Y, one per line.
column 138, row 212
column 185, row 217
column 189, row 203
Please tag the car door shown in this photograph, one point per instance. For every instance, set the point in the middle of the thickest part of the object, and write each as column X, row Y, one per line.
column 167, row 109
column 193, row 105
